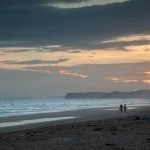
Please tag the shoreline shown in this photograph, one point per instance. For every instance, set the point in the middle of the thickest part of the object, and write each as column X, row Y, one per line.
column 109, row 132
column 65, row 117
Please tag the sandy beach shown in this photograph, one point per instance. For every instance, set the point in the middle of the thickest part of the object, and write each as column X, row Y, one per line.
column 91, row 129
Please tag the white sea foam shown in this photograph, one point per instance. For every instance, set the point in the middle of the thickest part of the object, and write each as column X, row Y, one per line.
column 24, row 122
column 14, row 107
column 129, row 108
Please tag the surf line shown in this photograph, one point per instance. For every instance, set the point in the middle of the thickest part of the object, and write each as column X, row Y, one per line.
column 24, row 122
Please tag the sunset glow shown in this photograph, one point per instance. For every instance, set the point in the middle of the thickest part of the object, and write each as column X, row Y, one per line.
column 63, row 72
column 52, row 47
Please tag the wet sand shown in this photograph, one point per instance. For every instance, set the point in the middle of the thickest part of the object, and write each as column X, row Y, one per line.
column 93, row 129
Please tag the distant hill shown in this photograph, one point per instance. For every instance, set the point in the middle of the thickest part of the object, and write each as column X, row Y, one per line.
column 116, row 94
column 87, row 95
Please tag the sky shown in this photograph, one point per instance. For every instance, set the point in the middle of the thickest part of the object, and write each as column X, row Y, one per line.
column 53, row 47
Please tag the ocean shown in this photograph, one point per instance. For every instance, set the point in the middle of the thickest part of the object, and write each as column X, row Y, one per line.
column 14, row 107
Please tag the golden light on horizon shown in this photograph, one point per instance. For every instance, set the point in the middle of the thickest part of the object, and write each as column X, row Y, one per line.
column 121, row 80
column 99, row 56
column 129, row 38
column 64, row 72
column 146, row 81
column 127, row 54
column 148, row 72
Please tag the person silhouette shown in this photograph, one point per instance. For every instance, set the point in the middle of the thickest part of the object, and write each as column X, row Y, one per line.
column 121, row 108
column 125, row 108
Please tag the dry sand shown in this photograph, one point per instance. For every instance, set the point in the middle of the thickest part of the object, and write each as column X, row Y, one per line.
column 94, row 130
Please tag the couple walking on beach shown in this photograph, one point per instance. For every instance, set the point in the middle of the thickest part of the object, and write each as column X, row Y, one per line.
column 123, row 108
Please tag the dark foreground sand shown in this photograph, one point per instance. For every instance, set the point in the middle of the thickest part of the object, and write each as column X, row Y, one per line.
column 117, row 132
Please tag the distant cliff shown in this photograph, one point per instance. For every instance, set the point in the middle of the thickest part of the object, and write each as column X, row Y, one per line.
column 117, row 94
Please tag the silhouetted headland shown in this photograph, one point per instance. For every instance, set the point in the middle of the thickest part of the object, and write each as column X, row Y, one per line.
column 111, row 95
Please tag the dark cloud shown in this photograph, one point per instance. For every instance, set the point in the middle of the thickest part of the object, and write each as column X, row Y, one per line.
column 34, row 62
column 34, row 24
column 29, row 2
column 67, row 1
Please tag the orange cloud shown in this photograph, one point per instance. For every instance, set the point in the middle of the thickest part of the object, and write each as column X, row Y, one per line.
column 130, row 81
column 114, row 79
column 147, row 73
column 129, row 38
column 119, row 80
column 146, row 81
column 63, row 72
column 133, row 54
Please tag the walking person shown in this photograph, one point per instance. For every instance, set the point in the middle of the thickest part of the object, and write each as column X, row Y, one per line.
column 121, row 108
column 125, row 108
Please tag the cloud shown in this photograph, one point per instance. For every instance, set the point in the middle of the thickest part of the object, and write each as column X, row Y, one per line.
column 51, row 46
column 147, row 75
column 30, row 23
column 114, row 79
column 46, row 81
column 65, row 4
column 18, row 49
column 63, row 72
column 130, row 54
column 147, row 72
column 125, row 70
column 38, row 71
column 120, row 43
column 140, row 37
column 130, row 81
column 121, row 80
column 66, row 1
column 34, row 62
column 44, row 48
column 146, row 81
